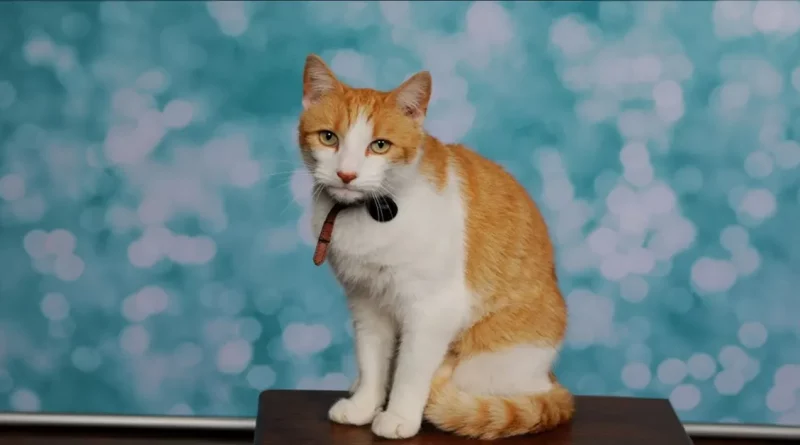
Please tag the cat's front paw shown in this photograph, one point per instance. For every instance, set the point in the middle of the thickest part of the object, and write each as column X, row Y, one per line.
column 350, row 412
column 392, row 426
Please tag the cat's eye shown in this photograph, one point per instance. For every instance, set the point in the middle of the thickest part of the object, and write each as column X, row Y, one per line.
column 380, row 146
column 328, row 138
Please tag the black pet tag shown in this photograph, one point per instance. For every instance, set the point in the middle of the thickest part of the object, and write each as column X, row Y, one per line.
column 382, row 209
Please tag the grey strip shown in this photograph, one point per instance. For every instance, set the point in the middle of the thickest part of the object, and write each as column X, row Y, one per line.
column 741, row 431
column 111, row 421
column 245, row 424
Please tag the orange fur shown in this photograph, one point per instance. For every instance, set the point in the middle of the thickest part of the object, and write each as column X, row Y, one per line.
column 511, row 272
column 510, row 266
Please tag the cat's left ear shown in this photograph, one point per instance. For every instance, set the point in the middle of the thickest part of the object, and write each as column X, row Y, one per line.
column 318, row 80
column 414, row 94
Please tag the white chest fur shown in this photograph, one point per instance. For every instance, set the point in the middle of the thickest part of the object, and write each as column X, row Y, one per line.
column 412, row 256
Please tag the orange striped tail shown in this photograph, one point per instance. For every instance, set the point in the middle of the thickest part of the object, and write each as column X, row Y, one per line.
column 492, row 417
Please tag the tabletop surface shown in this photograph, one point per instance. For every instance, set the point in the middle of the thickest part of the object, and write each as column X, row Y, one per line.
column 300, row 418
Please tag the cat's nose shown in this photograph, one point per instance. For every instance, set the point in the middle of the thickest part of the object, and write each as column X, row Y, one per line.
column 346, row 177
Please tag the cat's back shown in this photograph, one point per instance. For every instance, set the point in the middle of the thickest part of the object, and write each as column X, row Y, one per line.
column 508, row 248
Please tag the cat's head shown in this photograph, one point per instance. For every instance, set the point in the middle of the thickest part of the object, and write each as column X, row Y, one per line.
column 360, row 142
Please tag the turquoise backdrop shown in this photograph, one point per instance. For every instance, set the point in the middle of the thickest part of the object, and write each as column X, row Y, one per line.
column 154, row 242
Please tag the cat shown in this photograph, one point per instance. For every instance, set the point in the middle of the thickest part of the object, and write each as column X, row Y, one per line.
column 459, row 288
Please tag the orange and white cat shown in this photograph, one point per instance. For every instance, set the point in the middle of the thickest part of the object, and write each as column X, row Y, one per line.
column 460, row 285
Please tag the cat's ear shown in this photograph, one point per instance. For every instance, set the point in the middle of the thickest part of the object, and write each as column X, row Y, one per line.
column 414, row 94
column 318, row 80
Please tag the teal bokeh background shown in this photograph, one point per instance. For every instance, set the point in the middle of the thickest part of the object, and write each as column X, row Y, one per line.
column 155, row 251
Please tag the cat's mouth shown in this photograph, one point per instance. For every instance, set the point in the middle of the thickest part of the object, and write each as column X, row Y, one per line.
column 345, row 195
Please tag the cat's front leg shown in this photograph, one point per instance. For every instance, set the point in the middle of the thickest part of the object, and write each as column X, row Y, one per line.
column 425, row 336
column 374, row 333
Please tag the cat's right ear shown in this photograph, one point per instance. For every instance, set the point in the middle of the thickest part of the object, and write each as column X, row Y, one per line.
column 318, row 80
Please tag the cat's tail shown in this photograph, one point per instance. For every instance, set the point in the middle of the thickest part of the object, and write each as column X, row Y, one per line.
column 491, row 417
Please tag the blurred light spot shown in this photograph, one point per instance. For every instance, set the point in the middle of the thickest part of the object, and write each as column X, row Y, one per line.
column 659, row 199
column 634, row 288
column 788, row 377
column 68, row 267
column 231, row 302
column 729, row 382
column 149, row 300
column 746, row 261
column 234, row 357
column 571, row 36
column 120, row 219
column 488, row 23
column 758, row 165
column 354, row 68
column 29, row 209
column 711, row 275
column 60, row 242
column 639, row 352
column 39, row 50
column 776, row 17
column 24, row 400
column 733, row 96
column 753, row 334
column 249, row 329
column 178, row 113
column 301, row 339
column 6, row 382
column 181, row 409
column 230, row 16
column 602, row 241
column 154, row 80
column 188, row 355
column 331, row 381
column 12, row 186
column 787, row 154
column 685, row 397
column 758, row 203
column 134, row 340
column 127, row 145
column 647, row 68
column 672, row 371
column 192, row 250
column 796, row 78
column 668, row 97
column 261, row 377
column 54, row 306
column 780, row 400
column 397, row 13
column 85, row 359
column 245, row 173
column 733, row 357
column 636, row 162
column 154, row 210
column 701, row 366
column 128, row 102
column 732, row 18
column 7, row 94
column 636, row 375
column 734, row 238
column 75, row 25
column 591, row 317
column 34, row 242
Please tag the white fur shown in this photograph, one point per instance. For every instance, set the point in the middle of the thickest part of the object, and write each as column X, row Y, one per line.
column 354, row 145
column 403, row 278
column 407, row 274
column 522, row 369
column 406, row 278
column 351, row 157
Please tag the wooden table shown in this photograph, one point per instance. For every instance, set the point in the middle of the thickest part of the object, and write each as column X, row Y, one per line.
column 300, row 418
